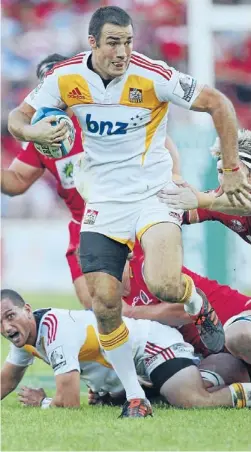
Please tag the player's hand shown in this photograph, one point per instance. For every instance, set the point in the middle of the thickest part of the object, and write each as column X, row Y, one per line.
column 236, row 187
column 182, row 197
column 44, row 133
column 31, row 397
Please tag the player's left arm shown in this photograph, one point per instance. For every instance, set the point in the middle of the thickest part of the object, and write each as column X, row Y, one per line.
column 171, row 314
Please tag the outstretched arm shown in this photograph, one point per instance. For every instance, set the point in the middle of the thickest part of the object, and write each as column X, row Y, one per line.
column 11, row 375
column 19, row 177
column 220, row 108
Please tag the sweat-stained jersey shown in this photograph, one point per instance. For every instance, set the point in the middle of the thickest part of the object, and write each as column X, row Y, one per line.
column 124, row 123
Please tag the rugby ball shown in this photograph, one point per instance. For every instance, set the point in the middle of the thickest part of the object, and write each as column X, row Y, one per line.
column 67, row 144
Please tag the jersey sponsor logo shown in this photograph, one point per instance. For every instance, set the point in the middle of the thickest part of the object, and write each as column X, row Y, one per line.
column 75, row 94
column 237, row 226
column 143, row 298
column 90, row 216
column 51, row 322
column 57, row 358
column 135, row 95
column 106, row 127
column 65, row 168
column 185, row 87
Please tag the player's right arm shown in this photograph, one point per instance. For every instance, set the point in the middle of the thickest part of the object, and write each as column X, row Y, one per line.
column 19, row 177
column 11, row 375
column 19, row 122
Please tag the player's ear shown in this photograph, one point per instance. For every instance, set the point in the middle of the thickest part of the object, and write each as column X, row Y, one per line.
column 28, row 308
column 92, row 41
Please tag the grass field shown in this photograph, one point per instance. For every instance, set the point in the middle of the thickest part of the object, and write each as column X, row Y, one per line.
column 97, row 428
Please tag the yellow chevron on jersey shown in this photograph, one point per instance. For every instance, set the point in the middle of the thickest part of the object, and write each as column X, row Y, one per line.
column 32, row 350
column 156, row 117
column 91, row 351
column 74, row 90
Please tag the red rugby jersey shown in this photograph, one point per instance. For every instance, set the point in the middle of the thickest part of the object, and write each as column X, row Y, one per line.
column 62, row 170
column 226, row 301
column 239, row 224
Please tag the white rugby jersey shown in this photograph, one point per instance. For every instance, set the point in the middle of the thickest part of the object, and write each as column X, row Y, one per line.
column 68, row 340
column 124, row 124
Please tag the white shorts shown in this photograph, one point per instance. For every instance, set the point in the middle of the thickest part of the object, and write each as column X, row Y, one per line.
column 242, row 317
column 123, row 222
column 163, row 344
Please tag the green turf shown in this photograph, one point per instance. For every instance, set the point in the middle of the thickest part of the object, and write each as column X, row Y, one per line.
column 97, row 428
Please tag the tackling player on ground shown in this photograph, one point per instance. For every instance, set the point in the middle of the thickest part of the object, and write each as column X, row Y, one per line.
column 232, row 308
column 68, row 342
column 123, row 112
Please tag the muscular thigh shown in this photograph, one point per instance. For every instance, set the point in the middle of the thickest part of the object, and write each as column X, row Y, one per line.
column 162, row 245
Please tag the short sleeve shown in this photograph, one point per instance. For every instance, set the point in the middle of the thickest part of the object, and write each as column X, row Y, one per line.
column 46, row 94
column 176, row 87
column 62, row 352
column 19, row 357
column 28, row 154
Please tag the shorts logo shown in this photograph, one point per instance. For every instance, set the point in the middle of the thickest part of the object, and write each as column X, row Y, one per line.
column 57, row 358
column 176, row 215
column 135, row 95
column 90, row 216
column 237, row 226
column 185, row 87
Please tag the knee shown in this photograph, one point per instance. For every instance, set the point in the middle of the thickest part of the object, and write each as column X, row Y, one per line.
column 168, row 291
column 238, row 339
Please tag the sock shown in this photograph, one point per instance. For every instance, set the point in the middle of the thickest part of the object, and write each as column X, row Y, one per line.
column 241, row 395
column 191, row 299
column 119, row 352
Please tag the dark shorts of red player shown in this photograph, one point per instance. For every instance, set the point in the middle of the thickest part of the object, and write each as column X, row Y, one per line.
column 72, row 254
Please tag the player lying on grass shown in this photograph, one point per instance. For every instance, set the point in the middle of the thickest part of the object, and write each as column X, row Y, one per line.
column 214, row 205
column 232, row 308
column 30, row 165
column 68, row 342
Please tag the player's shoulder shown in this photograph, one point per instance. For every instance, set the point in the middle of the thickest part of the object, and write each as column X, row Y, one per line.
column 69, row 66
column 157, row 70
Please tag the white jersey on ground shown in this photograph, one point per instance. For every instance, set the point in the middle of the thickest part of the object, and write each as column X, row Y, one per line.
column 68, row 340
column 124, row 124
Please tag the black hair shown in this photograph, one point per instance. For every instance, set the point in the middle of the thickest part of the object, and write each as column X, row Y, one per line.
column 108, row 15
column 16, row 299
column 49, row 62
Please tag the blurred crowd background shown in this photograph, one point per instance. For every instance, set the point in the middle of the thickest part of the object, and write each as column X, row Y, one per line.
column 35, row 235
column 32, row 29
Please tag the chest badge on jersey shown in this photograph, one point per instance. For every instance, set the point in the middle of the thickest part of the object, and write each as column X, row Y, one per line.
column 142, row 298
column 135, row 95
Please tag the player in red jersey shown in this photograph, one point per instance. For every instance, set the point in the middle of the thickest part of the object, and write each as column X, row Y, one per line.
column 29, row 165
column 232, row 308
column 214, row 206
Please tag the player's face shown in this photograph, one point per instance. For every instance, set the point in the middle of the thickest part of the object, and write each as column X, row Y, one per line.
column 15, row 322
column 111, row 56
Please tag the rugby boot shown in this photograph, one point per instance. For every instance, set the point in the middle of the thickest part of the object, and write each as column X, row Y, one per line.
column 209, row 326
column 136, row 408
